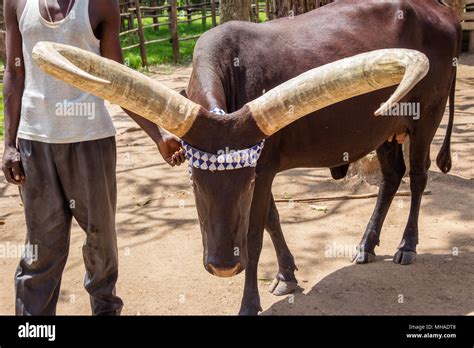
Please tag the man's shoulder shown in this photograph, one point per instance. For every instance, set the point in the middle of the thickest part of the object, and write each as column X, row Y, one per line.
column 14, row 6
column 9, row 5
column 104, row 7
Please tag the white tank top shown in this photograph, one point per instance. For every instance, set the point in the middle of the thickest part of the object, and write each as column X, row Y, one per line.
column 53, row 111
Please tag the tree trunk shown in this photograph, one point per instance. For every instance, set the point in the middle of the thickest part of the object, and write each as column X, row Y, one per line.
column 290, row 8
column 3, row 49
column 235, row 10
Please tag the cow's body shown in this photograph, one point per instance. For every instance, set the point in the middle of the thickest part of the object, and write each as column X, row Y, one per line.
column 272, row 53
column 235, row 63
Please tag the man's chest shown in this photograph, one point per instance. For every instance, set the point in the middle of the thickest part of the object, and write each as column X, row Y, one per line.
column 58, row 11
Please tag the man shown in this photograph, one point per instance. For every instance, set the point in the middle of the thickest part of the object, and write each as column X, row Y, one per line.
column 66, row 155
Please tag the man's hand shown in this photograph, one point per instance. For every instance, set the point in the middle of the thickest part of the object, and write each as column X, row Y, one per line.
column 11, row 166
column 171, row 150
column 169, row 146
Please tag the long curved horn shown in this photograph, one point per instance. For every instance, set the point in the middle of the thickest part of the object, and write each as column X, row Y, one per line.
column 115, row 82
column 338, row 81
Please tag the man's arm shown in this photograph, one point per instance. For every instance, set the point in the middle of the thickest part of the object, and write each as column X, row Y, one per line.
column 13, row 87
column 169, row 146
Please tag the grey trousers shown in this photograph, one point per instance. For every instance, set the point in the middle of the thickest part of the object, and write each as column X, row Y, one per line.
column 65, row 181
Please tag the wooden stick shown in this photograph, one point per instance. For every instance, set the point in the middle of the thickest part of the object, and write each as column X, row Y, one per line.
column 189, row 12
column 257, row 11
column 204, row 16
column 141, row 35
column 156, row 19
column 343, row 198
column 174, row 30
column 213, row 13
column 131, row 19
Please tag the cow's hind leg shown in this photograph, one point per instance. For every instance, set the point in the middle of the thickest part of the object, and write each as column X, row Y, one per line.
column 285, row 281
column 390, row 156
column 419, row 164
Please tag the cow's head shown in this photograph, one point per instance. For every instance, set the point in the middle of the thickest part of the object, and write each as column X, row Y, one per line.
column 224, row 194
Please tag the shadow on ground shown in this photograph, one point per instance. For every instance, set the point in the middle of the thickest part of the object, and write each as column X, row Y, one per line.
column 440, row 284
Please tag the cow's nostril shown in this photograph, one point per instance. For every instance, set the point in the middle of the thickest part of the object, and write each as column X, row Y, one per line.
column 224, row 272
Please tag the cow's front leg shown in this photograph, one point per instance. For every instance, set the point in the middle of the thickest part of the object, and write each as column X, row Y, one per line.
column 258, row 217
column 285, row 281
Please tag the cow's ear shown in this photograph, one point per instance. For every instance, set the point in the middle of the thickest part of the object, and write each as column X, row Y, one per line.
column 183, row 93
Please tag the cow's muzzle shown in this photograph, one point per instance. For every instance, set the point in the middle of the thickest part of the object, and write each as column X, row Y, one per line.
column 224, row 272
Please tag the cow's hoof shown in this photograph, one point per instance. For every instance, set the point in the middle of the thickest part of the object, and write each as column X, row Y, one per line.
column 404, row 257
column 363, row 257
column 281, row 288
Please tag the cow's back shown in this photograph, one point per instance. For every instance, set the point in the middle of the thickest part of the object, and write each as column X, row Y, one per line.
column 285, row 48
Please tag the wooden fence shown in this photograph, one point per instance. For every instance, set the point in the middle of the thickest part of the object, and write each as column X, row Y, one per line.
column 174, row 15
column 467, row 21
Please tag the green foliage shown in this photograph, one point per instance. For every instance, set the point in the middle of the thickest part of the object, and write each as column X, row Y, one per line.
column 162, row 52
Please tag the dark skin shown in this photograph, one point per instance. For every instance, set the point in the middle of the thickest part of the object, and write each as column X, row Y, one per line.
column 105, row 22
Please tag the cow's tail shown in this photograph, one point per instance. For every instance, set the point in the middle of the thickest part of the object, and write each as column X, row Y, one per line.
column 444, row 157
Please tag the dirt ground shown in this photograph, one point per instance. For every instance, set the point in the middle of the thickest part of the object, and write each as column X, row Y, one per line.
column 161, row 269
